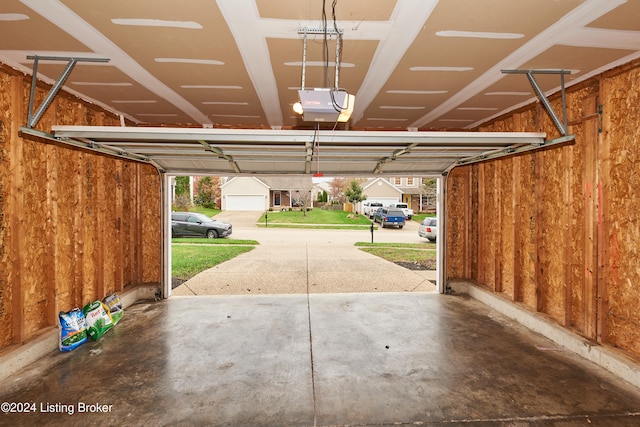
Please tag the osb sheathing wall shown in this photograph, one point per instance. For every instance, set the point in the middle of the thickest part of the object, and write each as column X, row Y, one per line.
column 558, row 230
column 74, row 225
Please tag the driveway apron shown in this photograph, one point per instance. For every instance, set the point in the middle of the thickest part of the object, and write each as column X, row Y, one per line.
column 294, row 261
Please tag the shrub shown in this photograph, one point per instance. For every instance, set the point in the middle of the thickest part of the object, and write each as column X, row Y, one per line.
column 182, row 202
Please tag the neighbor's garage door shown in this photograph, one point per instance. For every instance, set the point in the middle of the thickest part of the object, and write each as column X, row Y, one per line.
column 245, row 203
column 386, row 201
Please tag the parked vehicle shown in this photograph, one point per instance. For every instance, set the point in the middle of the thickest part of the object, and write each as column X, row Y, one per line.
column 373, row 213
column 191, row 224
column 408, row 212
column 428, row 229
column 386, row 216
column 370, row 208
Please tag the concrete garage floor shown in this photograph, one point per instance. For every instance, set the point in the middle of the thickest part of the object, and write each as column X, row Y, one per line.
column 317, row 360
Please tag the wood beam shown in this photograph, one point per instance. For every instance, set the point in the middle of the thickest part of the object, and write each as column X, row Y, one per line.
column 468, row 249
column 482, row 279
column 567, row 235
column 15, row 209
column 51, row 251
column 78, row 228
column 539, row 214
column 119, row 215
column 518, row 253
column 603, row 180
column 498, row 231
column 589, row 309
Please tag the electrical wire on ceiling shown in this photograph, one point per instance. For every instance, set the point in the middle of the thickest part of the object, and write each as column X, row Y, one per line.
column 338, row 58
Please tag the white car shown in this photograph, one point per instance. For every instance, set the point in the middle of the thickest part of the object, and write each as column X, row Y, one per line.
column 370, row 208
column 408, row 212
column 428, row 229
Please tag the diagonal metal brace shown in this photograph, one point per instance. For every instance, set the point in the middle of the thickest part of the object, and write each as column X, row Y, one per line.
column 34, row 118
column 562, row 126
column 221, row 155
column 394, row 156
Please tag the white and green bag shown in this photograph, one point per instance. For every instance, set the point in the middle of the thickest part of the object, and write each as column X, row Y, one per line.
column 98, row 318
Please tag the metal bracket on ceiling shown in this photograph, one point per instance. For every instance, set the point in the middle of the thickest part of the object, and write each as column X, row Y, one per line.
column 308, row 147
column 34, row 117
column 221, row 155
column 325, row 31
column 393, row 156
column 561, row 125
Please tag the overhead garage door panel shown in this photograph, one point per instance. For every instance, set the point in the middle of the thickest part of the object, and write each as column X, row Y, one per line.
column 245, row 203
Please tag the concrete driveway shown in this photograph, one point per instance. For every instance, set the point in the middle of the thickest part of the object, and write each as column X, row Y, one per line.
column 240, row 219
column 293, row 261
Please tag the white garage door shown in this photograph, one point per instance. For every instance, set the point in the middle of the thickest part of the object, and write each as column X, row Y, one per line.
column 245, row 203
column 386, row 201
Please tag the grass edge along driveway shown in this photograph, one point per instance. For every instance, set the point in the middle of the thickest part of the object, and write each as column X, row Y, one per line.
column 408, row 255
column 191, row 256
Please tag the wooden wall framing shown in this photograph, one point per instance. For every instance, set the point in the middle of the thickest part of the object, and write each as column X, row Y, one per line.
column 558, row 230
column 74, row 225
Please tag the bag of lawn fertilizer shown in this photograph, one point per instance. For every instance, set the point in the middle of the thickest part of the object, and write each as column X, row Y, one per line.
column 114, row 304
column 99, row 319
column 72, row 329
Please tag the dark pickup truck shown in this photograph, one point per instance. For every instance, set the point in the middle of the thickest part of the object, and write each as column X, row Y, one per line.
column 386, row 216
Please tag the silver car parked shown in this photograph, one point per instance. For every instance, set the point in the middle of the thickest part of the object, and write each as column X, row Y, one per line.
column 428, row 229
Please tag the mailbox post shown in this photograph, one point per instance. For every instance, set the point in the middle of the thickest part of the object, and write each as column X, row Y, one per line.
column 371, row 232
column 266, row 219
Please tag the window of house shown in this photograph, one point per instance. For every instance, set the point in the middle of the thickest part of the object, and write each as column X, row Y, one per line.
column 397, row 181
column 409, row 181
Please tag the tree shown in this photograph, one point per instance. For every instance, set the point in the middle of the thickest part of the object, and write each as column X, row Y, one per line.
column 182, row 199
column 354, row 192
column 182, row 185
column 301, row 198
column 429, row 191
column 182, row 202
column 336, row 189
column 207, row 191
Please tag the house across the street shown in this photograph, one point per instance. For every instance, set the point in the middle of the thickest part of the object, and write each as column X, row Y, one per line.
column 259, row 194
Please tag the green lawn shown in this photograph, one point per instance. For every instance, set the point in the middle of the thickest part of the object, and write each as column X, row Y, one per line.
column 206, row 211
column 319, row 227
column 315, row 216
column 424, row 255
column 203, row 241
column 189, row 260
column 420, row 217
column 425, row 245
